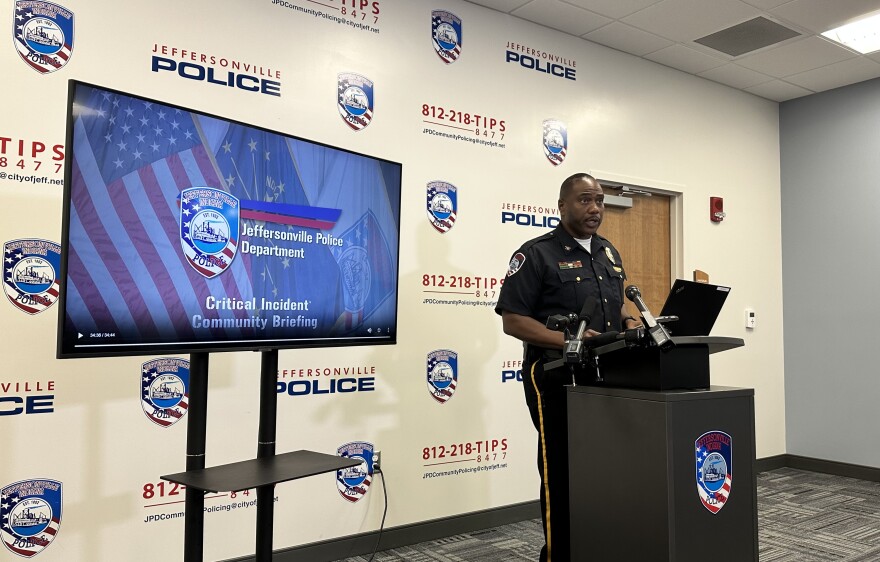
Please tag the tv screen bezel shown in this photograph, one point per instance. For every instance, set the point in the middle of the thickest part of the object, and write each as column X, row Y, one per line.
column 68, row 350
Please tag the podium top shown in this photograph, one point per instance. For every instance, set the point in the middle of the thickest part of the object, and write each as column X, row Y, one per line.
column 714, row 344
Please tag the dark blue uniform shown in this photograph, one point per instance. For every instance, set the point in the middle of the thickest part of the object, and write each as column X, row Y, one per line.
column 554, row 274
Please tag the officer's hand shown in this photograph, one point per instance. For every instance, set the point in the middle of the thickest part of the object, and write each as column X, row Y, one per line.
column 590, row 333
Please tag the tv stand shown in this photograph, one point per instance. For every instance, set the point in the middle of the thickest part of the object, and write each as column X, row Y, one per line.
column 261, row 473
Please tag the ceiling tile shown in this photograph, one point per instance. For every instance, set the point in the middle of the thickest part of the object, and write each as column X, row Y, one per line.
column 777, row 90
column 501, row 5
column 627, row 39
column 732, row 74
column 613, row 8
column 837, row 74
column 822, row 15
column 686, row 20
column 795, row 57
column 561, row 16
column 765, row 4
column 684, row 58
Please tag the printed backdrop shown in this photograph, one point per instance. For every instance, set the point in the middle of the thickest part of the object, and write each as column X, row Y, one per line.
column 487, row 114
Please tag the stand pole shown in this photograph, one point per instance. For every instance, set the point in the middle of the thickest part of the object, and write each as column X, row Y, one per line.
column 196, row 424
column 266, row 448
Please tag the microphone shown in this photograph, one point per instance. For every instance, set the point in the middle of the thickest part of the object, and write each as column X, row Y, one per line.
column 657, row 331
column 602, row 339
column 560, row 322
column 574, row 347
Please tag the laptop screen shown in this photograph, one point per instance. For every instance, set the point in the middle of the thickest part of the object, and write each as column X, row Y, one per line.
column 697, row 306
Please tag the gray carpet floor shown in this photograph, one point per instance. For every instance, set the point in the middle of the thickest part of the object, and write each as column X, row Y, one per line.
column 802, row 517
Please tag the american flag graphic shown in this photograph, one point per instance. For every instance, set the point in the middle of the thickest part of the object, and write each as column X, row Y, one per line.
column 43, row 34
column 132, row 158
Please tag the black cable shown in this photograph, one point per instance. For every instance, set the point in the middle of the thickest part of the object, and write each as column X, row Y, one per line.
column 377, row 468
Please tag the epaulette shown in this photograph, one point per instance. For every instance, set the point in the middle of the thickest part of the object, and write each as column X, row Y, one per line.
column 544, row 237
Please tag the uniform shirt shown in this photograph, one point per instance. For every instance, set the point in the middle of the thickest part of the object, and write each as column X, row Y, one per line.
column 553, row 274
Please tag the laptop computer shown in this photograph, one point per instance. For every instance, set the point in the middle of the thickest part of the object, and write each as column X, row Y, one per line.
column 697, row 306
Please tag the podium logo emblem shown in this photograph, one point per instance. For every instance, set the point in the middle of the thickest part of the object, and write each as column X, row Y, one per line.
column 30, row 515
column 714, row 450
column 354, row 482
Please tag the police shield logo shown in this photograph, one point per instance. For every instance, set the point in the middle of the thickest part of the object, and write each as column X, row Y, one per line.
column 353, row 483
column 442, row 205
column 446, row 35
column 43, row 34
column 714, row 451
column 355, row 100
column 165, row 390
column 442, row 374
column 209, row 229
column 30, row 274
column 516, row 262
column 555, row 138
column 30, row 515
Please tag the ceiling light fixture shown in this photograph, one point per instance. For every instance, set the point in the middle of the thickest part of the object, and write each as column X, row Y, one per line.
column 862, row 35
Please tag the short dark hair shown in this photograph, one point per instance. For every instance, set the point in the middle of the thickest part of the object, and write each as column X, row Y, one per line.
column 570, row 181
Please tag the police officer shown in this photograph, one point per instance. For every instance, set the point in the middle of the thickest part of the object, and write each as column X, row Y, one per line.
column 559, row 273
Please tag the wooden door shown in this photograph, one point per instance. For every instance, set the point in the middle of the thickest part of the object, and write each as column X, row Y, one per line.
column 642, row 235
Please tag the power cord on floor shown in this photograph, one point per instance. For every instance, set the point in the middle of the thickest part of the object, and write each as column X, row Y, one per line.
column 378, row 469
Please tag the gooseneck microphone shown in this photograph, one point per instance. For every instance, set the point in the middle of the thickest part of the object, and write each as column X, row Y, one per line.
column 657, row 331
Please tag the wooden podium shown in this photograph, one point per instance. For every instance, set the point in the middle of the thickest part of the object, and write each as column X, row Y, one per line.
column 633, row 472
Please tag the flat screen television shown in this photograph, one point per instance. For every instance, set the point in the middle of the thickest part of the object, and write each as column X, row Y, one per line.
column 186, row 232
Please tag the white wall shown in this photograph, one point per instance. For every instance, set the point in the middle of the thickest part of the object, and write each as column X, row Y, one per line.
column 627, row 118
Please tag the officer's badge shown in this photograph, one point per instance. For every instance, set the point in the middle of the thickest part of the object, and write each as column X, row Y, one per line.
column 714, row 469
column 516, row 262
column 354, row 99
column 209, row 229
column 446, row 35
column 442, row 374
column 165, row 390
column 43, row 34
column 30, row 515
column 442, row 205
column 354, row 482
column 555, row 139
column 30, row 274
column 610, row 255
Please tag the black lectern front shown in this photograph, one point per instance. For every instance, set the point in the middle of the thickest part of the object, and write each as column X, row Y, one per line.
column 660, row 472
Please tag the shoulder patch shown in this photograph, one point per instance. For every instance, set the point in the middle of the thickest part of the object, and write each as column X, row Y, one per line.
column 516, row 262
